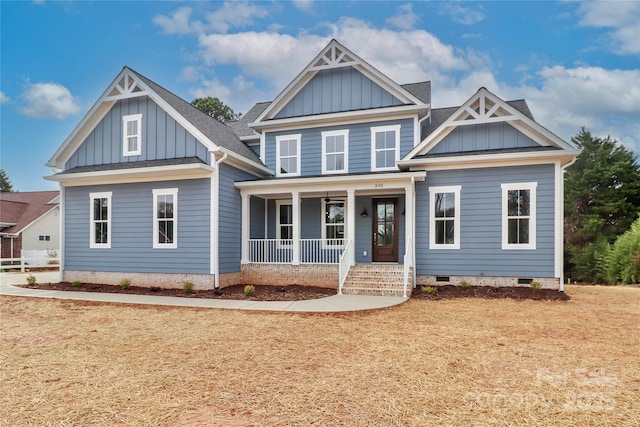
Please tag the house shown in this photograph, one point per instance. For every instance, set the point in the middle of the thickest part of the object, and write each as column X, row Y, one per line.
column 29, row 221
column 346, row 179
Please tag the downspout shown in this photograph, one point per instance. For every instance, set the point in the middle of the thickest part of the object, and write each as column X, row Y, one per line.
column 215, row 216
column 561, row 207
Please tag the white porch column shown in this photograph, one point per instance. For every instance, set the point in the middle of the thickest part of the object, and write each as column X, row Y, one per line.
column 295, row 211
column 409, row 215
column 246, row 223
column 351, row 223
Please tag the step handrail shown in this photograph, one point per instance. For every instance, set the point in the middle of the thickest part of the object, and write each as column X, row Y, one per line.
column 345, row 264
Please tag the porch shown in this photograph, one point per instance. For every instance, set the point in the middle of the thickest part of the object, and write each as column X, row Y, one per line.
column 335, row 222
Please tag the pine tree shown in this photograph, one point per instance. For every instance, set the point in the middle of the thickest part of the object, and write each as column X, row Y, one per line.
column 5, row 183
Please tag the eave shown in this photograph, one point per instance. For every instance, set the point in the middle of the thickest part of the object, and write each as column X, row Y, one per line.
column 342, row 117
column 141, row 174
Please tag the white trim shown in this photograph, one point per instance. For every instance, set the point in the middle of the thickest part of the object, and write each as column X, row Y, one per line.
column 455, row 189
column 165, row 192
column 262, row 148
column 558, row 228
column 342, row 118
column 144, row 174
column 292, row 137
column 531, row 186
column 92, row 220
column 61, row 229
column 137, row 119
column 324, row 204
column 374, row 131
column 472, row 161
column 345, row 152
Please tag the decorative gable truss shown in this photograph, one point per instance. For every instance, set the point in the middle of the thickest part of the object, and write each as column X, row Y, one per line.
column 334, row 56
column 127, row 86
column 485, row 108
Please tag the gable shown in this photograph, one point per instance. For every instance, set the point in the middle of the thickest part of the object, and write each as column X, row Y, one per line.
column 483, row 137
column 336, row 90
column 162, row 137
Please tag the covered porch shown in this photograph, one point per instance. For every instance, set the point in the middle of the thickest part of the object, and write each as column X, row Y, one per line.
column 331, row 221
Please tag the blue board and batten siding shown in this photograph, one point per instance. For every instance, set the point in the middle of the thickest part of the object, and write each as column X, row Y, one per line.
column 490, row 136
column 481, row 250
column 359, row 145
column 162, row 137
column 132, row 229
column 336, row 90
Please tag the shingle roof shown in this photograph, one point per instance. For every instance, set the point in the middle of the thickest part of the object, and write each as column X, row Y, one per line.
column 491, row 151
column 421, row 90
column 22, row 208
column 219, row 133
column 131, row 165
column 240, row 126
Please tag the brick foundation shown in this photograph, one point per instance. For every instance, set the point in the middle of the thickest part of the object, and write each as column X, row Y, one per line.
column 323, row 275
column 545, row 282
column 163, row 280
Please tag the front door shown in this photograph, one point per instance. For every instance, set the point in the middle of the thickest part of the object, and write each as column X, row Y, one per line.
column 385, row 230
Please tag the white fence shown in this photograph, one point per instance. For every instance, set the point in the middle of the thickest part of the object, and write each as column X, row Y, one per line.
column 32, row 259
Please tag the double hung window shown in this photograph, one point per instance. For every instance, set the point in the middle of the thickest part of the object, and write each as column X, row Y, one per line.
column 335, row 151
column 385, row 147
column 333, row 222
column 132, row 135
column 284, row 231
column 519, row 215
column 100, row 220
column 288, row 155
column 165, row 218
column 444, row 226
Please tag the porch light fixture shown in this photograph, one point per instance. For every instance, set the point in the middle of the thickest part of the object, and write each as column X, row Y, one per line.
column 327, row 199
column 364, row 213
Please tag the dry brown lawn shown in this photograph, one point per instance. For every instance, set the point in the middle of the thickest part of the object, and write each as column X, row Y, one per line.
column 464, row 362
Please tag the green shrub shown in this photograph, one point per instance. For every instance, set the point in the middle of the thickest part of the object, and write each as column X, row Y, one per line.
column 31, row 279
column 535, row 286
column 464, row 285
column 429, row 290
column 125, row 283
column 624, row 258
column 76, row 283
column 187, row 287
column 249, row 290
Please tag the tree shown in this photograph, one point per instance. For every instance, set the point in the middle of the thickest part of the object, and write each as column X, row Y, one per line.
column 602, row 199
column 216, row 109
column 5, row 183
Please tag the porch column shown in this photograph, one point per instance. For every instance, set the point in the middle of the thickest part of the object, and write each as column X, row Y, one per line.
column 351, row 223
column 246, row 222
column 409, row 216
column 295, row 210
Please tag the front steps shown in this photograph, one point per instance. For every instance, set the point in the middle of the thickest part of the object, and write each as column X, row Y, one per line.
column 377, row 279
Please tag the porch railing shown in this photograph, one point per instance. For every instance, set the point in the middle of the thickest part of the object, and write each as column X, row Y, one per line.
column 345, row 264
column 280, row 251
column 408, row 263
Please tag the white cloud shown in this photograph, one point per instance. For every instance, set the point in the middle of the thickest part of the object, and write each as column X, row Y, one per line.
column 461, row 14
column 405, row 19
column 48, row 100
column 305, row 5
column 229, row 15
column 621, row 17
column 4, row 99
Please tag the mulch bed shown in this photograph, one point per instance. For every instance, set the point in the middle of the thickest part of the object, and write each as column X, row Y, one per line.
column 297, row 292
column 450, row 292
column 262, row 292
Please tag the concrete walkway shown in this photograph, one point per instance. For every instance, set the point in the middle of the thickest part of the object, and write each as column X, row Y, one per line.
column 332, row 304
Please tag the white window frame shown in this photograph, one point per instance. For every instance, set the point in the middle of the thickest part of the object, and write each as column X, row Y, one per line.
column 455, row 189
column 279, row 224
column 125, row 136
column 93, row 221
column 327, row 134
column 374, row 131
column 281, row 138
column 156, row 226
column 324, row 223
column 531, row 186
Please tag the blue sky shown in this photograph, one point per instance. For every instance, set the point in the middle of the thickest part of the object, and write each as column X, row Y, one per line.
column 576, row 63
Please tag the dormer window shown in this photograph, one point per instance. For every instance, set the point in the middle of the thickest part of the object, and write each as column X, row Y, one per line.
column 132, row 135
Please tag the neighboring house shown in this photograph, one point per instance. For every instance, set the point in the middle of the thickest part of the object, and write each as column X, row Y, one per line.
column 29, row 221
column 346, row 176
